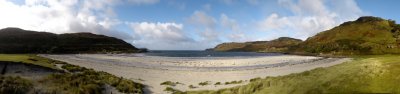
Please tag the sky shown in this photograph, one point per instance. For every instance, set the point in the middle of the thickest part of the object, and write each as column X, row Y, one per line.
column 190, row 24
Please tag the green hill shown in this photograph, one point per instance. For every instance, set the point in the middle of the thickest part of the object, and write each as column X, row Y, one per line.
column 278, row 45
column 366, row 35
column 15, row 40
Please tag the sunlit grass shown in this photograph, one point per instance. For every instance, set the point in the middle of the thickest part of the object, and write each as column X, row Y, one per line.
column 89, row 82
column 28, row 58
column 365, row 74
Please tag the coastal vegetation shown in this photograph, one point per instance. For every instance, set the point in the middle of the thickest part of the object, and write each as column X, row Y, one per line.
column 170, row 83
column 89, row 82
column 217, row 83
column 192, row 87
column 73, row 68
column 29, row 59
column 233, row 82
column 14, row 85
column 204, row 83
column 75, row 80
column 172, row 90
column 365, row 74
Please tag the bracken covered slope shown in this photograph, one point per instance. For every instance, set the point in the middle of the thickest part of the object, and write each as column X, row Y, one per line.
column 366, row 35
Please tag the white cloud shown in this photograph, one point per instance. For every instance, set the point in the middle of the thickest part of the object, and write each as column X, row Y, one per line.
column 236, row 33
column 306, row 7
column 171, row 36
column 207, row 25
column 229, row 23
column 64, row 16
column 310, row 16
column 348, row 8
column 210, row 36
column 201, row 18
column 49, row 16
column 238, row 37
column 274, row 22
column 160, row 35
column 207, row 7
column 168, row 32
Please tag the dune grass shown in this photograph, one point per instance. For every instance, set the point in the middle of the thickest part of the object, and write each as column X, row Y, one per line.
column 365, row 74
column 170, row 83
column 205, row 83
column 89, row 81
column 81, row 80
column 29, row 59
column 14, row 85
column 77, row 80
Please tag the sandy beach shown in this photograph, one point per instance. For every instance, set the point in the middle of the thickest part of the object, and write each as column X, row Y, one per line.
column 153, row 70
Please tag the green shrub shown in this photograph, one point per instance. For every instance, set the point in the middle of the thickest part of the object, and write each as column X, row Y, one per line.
column 73, row 68
column 191, row 86
column 91, row 82
column 170, row 83
column 233, row 82
column 218, row 83
column 128, row 86
column 255, row 79
column 172, row 90
column 204, row 83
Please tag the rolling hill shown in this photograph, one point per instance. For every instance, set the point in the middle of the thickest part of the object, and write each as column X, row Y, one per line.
column 278, row 45
column 366, row 35
column 15, row 40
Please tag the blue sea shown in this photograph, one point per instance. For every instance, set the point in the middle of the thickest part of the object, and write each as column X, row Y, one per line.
column 197, row 53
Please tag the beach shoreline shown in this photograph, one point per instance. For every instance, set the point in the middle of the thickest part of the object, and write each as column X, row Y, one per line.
column 152, row 71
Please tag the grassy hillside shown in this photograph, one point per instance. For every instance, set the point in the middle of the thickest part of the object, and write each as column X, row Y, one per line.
column 365, row 74
column 15, row 40
column 91, row 43
column 278, row 45
column 366, row 35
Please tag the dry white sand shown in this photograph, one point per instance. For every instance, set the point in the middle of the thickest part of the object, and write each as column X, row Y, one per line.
column 152, row 70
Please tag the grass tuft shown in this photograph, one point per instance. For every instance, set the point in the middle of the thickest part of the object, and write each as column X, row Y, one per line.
column 14, row 85
column 170, row 83
column 204, row 83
